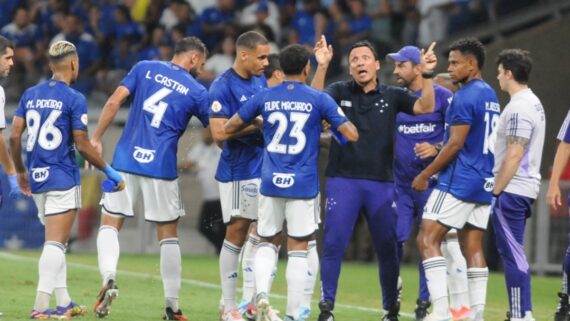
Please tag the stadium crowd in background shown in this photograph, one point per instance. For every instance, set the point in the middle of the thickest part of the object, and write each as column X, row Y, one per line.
column 112, row 35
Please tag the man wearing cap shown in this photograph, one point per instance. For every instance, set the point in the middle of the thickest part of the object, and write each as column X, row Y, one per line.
column 418, row 140
column 359, row 175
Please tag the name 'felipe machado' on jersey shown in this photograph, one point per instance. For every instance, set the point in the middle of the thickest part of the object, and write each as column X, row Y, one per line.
column 301, row 106
column 44, row 103
column 167, row 82
column 417, row 128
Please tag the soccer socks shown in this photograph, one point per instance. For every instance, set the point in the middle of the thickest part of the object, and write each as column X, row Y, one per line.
column 50, row 265
column 171, row 271
column 436, row 276
column 296, row 276
column 247, row 266
column 265, row 259
column 229, row 260
column 313, row 269
column 274, row 272
column 566, row 267
column 477, row 278
column 457, row 274
column 108, row 252
column 61, row 295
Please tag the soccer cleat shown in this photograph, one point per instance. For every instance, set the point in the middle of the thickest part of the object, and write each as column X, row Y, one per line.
column 72, row 310
column 508, row 316
column 169, row 314
column 247, row 310
column 393, row 312
column 462, row 314
column 48, row 314
column 232, row 315
column 421, row 310
column 326, row 308
column 563, row 308
column 263, row 307
column 304, row 313
column 106, row 296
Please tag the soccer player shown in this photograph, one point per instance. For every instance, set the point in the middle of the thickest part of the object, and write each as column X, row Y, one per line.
column 165, row 95
column 518, row 154
column 55, row 116
column 418, row 139
column 6, row 63
column 359, row 175
column 553, row 198
column 462, row 197
column 292, row 114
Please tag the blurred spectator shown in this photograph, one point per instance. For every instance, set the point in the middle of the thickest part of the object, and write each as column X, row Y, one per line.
column 217, row 22
column 200, row 5
column 87, row 50
column 122, row 58
column 49, row 16
column 138, row 8
column 165, row 50
column 308, row 24
column 262, row 12
column 124, row 26
column 219, row 62
column 433, row 20
column 203, row 159
column 150, row 51
column 380, row 13
column 177, row 12
column 465, row 13
column 8, row 7
column 353, row 27
column 30, row 46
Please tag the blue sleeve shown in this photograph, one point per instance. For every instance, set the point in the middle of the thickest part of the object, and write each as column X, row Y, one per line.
column 445, row 99
column 331, row 112
column 202, row 103
column 219, row 102
column 130, row 80
column 79, row 113
column 21, row 110
column 250, row 109
column 462, row 112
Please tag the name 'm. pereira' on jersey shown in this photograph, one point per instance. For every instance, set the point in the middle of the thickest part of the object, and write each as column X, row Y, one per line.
column 165, row 97
column 469, row 176
column 52, row 111
column 415, row 129
column 241, row 157
column 292, row 113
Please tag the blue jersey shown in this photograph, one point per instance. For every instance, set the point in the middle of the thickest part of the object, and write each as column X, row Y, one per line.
column 413, row 129
column 165, row 97
column 564, row 133
column 469, row 177
column 241, row 157
column 52, row 111
column 292, row 114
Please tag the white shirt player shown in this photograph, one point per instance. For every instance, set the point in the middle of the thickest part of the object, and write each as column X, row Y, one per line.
column 2, row 105
column 523, row 117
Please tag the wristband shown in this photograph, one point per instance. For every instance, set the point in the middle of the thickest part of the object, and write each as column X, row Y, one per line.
column 428, row 75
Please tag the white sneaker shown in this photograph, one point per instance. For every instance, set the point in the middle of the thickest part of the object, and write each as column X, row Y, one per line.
column 232, row 315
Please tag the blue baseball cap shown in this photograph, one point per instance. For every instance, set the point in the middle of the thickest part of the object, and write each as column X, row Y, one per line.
column 407, row 53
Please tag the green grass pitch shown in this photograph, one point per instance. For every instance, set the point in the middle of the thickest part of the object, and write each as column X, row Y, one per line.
column 141, row 294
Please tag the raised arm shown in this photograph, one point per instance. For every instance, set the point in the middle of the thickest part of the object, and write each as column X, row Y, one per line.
column 426, row 103
column 323, row 53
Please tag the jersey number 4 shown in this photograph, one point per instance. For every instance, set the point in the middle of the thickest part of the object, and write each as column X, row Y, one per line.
column 156, row 106
column 299, row 120
column 47, row 135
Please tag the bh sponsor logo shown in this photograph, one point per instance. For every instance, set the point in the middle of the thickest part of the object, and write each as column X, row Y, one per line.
column 283, row 180
column 489, row 184
column 249, row 190
column 40, row 174
column 142, row 155
column 417, row 129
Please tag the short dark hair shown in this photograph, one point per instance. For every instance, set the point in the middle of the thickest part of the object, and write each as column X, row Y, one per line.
column 5, row 44
column 518, row 61
column 470, row 47
column 190, row 44
column 294, row 59
column 364, row 43
column 251, row 39
column 273, row 65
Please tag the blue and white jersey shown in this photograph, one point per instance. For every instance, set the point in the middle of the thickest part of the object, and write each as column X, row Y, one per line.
column 241, row 157
column 564, row 133
column 52, row 111
column 165, row 97
column 415, row 129
column 469, row 177
column 292, row 114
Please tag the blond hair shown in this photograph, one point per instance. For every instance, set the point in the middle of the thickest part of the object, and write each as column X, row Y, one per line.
column 61, row 49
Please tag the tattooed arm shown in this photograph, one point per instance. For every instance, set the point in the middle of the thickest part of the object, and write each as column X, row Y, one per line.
column 515, row 152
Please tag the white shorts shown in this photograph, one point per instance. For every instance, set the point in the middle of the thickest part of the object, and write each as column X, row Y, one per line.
column 161, row 198
column 57, row 202
column 239, row 199
column 454, row 213
column 302, row 216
